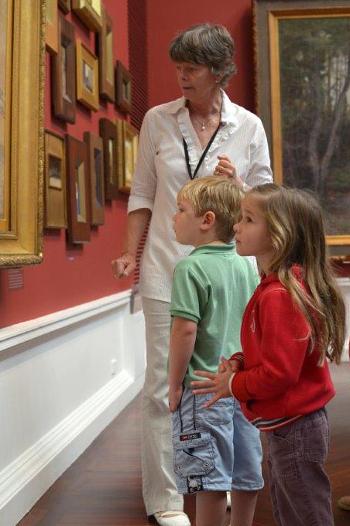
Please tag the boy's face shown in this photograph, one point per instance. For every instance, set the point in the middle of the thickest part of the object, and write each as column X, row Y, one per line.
column 186, row 224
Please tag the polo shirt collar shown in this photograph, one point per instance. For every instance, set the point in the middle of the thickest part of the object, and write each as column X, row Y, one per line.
column 228, row 248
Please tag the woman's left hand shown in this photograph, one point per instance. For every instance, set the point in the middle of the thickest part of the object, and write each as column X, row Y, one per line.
column 226, row 168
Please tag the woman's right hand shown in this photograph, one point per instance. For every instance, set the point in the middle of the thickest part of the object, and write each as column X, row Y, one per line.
column 124, row 265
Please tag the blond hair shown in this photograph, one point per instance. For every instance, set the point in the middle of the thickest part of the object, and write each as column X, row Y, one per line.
column 218, row 195
column 296, row 227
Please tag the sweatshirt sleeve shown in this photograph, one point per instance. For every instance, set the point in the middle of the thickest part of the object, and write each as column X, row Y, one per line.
column 283, row 346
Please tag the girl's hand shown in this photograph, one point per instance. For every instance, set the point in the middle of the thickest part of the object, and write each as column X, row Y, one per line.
column 214, row 383
column 226, row 168
column 174, row 396
column 124, row 265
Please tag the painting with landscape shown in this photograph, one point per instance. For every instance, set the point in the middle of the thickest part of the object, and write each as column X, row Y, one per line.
column 314, row 66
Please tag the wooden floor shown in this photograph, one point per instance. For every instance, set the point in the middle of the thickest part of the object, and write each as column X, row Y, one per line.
column 103, row 487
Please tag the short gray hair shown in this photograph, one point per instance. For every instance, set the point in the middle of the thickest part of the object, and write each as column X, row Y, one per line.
column 207, row 44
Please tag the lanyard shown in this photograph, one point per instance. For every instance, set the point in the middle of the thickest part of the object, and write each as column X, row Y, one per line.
column 202, row 156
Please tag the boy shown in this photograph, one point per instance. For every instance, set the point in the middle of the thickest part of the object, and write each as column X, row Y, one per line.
column 215, row 450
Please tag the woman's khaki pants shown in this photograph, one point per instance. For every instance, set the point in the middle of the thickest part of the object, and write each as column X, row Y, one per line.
column 158, row 481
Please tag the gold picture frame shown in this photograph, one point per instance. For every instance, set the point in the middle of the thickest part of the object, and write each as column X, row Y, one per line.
column 127, row 141
column 123, row 88
column 301, row 94
column 52, row 26
column 55, row 182
column 106, row 60
column 22, row 54
column 87, row 77
column 89, row 12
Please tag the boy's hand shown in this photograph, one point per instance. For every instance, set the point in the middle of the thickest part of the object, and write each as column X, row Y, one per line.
column 175, row 394
column 215, row 383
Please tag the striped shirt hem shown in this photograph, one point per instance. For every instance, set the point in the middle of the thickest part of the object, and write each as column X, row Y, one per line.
column 264, row 424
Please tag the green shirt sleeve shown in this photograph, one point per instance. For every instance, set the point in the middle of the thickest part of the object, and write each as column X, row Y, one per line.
column 189, row 294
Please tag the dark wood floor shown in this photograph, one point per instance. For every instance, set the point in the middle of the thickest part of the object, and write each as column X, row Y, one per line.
column 103, row 487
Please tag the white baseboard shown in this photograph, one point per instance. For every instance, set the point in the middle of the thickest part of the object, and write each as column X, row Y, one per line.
column 40, row 444
column 30, row 475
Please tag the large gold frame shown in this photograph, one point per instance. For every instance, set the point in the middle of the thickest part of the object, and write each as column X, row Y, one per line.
column 21, row 232
column 267, row 16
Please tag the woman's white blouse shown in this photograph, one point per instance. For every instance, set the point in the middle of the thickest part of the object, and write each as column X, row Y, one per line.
column 161, row 171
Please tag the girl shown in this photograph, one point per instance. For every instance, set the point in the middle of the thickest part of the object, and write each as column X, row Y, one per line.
column 292, row 324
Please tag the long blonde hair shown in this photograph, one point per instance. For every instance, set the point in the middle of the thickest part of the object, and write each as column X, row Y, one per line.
column 296, row 226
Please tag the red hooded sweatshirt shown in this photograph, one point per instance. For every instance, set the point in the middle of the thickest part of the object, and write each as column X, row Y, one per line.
column 281, row 378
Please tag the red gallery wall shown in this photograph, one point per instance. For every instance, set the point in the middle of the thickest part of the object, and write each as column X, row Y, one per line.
column 73, row 275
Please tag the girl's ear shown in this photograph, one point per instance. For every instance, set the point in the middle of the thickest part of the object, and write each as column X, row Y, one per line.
column 208, row 219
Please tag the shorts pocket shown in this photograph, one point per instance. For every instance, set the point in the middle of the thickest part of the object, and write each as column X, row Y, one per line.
column 218, row 414
column 193, row 454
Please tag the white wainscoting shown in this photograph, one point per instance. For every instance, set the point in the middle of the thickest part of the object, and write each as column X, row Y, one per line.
column 63, row 378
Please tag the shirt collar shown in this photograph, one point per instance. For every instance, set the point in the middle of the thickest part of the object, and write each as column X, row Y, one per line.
column 229, row 248
column 228, row 110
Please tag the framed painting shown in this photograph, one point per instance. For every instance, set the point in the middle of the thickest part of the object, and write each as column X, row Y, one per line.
column 303, row 100
column 89, row 12
column 127, row 154
column 106, row 60
column 108, row 132
column 55, row 182
column 78, row 191
column 22, row 54
column 122, row 87
column 63, row 73
column 65, row 5
column 52, row 26
column 95, row 167
column 87, row 77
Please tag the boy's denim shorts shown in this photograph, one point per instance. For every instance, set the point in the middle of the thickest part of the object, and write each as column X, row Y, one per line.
column 215, row 449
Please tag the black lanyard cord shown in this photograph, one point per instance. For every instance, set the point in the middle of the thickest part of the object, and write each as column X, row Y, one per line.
column 202, row 156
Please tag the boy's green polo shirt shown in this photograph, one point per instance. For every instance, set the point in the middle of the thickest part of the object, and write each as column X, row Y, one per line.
column 212, row 287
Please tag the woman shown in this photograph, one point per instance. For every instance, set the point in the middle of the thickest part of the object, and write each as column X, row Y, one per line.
column 197, row 135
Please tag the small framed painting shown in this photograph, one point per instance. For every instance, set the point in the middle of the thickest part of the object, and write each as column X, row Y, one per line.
column 95, row 166
column 55, row 182
column 78, row 191
column 127, row 154
column 106, row 61
column 87, row 77
column 89, row 12
column 108, row 132
column 63, row 73
column 51, row 35
column 123, row 88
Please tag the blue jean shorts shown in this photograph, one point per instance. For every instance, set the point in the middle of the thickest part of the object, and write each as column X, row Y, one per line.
column 215, row 449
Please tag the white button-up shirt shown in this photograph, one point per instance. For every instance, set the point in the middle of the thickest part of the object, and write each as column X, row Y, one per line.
column 161, row 171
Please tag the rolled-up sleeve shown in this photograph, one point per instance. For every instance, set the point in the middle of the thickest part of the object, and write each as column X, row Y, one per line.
column 259, row 171
column 145, row 179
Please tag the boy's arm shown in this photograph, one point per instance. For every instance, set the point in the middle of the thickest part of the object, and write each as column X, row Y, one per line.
column 182, row 340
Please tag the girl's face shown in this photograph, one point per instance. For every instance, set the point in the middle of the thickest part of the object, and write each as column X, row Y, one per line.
column 251, row 233
column 196, row 81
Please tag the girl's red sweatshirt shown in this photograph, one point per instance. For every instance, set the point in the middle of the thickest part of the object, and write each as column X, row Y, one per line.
column 281, row 378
